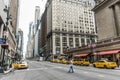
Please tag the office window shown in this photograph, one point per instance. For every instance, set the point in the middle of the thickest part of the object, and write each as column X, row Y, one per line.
column 57, row 41
column 64, row 40
column 76, row 42
column 82, row 42
column 71, row 42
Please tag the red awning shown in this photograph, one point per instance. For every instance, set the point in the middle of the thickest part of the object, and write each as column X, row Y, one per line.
column 107, row 52
column 80, row 55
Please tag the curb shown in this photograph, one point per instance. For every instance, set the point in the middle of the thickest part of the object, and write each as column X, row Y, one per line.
column 10, row 70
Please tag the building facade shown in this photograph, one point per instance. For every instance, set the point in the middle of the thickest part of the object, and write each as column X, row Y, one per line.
column 43, row 34
column 33, row 36
column 107, row 10
column 70, row 24
column 9, row 13
column 107, row 23
column 36, row 30
column 20, row 43
column 2, row 23
column 30, row 41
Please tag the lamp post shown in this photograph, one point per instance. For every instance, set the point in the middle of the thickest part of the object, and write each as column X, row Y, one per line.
column 4, row 46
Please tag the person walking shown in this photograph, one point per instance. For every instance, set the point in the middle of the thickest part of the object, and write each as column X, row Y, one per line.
column 71, row 69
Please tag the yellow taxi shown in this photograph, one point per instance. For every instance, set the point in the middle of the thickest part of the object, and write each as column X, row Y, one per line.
column 85, row 62
column 58, row 61
column 76, row 62
column 81, row 62
column 20, row 65
column 105, row 64
column 65, row 61
column 53, row 60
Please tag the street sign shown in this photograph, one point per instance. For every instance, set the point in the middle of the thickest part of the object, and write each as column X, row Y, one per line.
column 2, row 40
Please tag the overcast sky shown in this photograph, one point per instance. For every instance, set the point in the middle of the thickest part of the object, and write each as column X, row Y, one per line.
column 26, row 15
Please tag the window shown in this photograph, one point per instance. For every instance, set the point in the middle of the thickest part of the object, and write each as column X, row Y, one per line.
column 71, row 42
column 88, row 41
column 76, row 42
column 82, row 41
column 57, row 41
column 64, row 39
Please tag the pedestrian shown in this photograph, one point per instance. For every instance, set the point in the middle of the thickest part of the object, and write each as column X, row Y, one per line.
column 117, row 62
column 71, row 69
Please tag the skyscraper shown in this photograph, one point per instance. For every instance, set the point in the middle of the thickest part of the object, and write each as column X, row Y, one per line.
column 70, row 24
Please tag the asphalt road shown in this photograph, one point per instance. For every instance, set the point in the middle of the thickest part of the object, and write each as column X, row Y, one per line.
column 53, row 71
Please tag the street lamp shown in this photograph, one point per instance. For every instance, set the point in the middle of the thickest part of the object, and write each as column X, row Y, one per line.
column 4, row 46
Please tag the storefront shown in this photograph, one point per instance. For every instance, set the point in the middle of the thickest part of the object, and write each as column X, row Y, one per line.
column 81, row 56
column 111, row 55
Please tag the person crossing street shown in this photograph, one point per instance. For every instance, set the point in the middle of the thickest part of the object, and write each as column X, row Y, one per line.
column 71, row 69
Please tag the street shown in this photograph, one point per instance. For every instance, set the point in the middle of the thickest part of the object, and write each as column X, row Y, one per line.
column 53, row 71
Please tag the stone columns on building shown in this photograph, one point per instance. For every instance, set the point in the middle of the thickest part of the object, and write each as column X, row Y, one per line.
column 61, row 48
column 80, row 41
column 74, row 41
column 1, row 30
column 85, row 40
column 116, row 13
column 53, row 44
column 68, row 40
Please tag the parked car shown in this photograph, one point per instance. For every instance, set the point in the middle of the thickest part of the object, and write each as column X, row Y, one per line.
column 20, row 65
column 55, row 60
column 76, row 62
column 65, row 61
column 105, row 64
column 82, row 62
column 85, row 62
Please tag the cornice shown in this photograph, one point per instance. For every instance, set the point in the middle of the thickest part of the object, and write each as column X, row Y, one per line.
column 105, row 2
column 99, row 5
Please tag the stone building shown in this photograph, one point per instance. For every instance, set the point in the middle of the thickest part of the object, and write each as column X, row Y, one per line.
column 30, row 41
column 107, row 18
column 108, row 30
column 43, row 33
column 107, row 14
column 70, row 24
column 33, row 36
column 36, row 31
column 9, row 11
column 20, row 43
